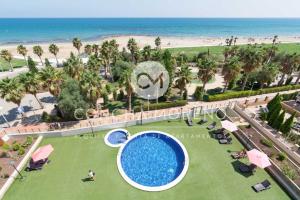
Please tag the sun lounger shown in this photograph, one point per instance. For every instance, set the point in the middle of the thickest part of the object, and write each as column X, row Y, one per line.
column 212, row 126
column 262, row 186
column 238, row 155
column 202, row 121
column 247, row 168
column 219, row 131
column 226, row 141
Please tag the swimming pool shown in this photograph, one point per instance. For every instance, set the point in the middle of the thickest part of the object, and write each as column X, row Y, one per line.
column 116, row 137
column 153, row 161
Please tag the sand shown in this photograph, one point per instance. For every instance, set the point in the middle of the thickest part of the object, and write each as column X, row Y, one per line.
column 167, row 42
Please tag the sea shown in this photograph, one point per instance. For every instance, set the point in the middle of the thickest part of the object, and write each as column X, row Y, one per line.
column 32, row 30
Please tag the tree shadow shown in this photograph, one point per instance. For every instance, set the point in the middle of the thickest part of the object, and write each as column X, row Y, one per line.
column 49, row 99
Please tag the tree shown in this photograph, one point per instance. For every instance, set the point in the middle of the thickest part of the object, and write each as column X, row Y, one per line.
column 168, row 62
column 95, row 48
column 251, row 59
column 7, row 56
column 38, row 50
column 157, row 43
column 31, row 65
column 125, row 80
column 275, row 106
column 274, row 115
column 278, row 121
column 288, row 63
column 90, row 84
column 70, row 100
column 273, row 102
column 119, row 68
column 73, row 67
column 133, row 48
column 184, row 76
column 77, row 44
column 22, row 51
column 53, row 48
column 267, row 74
column 11, row 90
column 31, row 83
column 231, row 69
column 51, row 79
column 94, row 63
column 287, row 125
column 88, row 49
column 146, row 53
column 207, row 69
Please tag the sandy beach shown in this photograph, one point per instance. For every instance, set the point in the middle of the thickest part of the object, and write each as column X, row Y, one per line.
column 167, row 42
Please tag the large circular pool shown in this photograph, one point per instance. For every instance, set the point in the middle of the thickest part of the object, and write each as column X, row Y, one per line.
column 153, row 161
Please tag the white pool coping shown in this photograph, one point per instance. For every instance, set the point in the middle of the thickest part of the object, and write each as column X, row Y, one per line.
column 114, row 130
column 157, row 188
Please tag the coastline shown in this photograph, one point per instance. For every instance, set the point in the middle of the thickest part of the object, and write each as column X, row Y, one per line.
column 66, row 47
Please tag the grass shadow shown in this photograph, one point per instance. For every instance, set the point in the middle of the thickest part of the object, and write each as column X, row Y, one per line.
column 87, row 180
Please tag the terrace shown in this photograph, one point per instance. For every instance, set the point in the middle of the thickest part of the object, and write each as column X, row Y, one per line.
column 212, row 173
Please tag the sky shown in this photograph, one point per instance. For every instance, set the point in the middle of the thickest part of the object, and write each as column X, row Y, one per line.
column 149, row 8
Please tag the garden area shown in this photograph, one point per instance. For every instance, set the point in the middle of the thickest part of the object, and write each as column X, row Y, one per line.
column 211, row 174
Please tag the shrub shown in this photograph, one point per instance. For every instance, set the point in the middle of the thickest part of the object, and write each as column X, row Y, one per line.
column 289, row 172
column 16, row 147
column 281, row 156
column 115, row 95
column 162, row 105
column 266, row 142
column 6, row 147
column 121, row 95
column 198, row 93
column 21, row 151
column 108, row 88
column 238, row 94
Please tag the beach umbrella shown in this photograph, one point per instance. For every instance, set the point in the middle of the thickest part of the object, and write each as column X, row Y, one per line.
column 42, row 153
column 228, row 125
column 258, row 158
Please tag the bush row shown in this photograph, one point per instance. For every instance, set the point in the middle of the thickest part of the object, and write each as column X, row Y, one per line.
column 238, row 94
column 161, row 105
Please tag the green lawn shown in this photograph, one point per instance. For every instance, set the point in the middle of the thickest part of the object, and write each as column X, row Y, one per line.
column 16, row 63
column 218, row 50
column 210, row 176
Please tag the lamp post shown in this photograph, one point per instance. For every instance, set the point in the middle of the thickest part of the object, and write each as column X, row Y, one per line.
column 12, row 163
column 1, row 108
column 148, row 102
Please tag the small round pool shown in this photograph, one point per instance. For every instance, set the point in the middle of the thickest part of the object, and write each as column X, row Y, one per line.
column 153, row 161
column 116, row 137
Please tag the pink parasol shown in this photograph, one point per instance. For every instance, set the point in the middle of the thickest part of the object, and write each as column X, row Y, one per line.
column 228, row 125
column 258, row 158
column 42, row 153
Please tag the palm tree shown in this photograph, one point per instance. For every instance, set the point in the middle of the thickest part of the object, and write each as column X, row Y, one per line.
column 288, row 63
column 31, row 83
column 90, row 84
column 207, row 69
column 88, row 49
column 114, row 51
column 51, row 79
column 105, row 55
column 73, row 67
column 94, row 63
column 7, row 56
column 133, row 48
column 251, row 59
column 146, row 52
column 231, row 69
column 11, row 90
column 95, row 48
column 53, row 48
column 77, row 44
column 267, row 74
column 125, row 80
column 184, row 77
column 37, row 50
column 157, row 43
column 22, row 51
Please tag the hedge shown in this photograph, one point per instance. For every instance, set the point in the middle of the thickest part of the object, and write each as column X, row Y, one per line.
column 238, row 94
column 161, row 105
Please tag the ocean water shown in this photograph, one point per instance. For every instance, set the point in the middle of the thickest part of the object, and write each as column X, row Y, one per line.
column 60, row 30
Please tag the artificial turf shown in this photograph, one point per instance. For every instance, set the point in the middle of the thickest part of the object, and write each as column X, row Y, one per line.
column 210, row 176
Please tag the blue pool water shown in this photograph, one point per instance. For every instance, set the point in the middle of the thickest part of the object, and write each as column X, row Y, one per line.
column 152, row 159
column 117, row 137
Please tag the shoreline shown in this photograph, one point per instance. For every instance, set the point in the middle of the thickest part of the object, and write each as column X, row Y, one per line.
column 66, row 47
